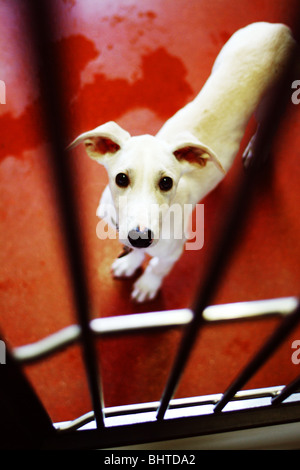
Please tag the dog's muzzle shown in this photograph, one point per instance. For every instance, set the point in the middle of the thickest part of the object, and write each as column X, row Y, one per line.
column 140, row 238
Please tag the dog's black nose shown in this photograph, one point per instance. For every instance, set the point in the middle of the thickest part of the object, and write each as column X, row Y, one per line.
column 140, row 238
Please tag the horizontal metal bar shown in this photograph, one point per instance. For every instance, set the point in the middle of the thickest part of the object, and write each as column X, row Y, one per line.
column 177, row 428
column 244, row 310
column 134, row 424
column 123, row 324
column 46, row 346
column 180, row 406
column 141, row 322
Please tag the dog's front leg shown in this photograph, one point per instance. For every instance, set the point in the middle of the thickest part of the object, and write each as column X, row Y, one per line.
column 148, row 285
column 127, row 263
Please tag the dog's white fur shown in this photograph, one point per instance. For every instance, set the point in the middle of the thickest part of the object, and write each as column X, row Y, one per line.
column 195, row 148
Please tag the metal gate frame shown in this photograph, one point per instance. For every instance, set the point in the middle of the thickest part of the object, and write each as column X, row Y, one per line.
column 25, row 422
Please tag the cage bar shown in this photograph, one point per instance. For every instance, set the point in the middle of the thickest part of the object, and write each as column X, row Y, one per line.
column 261, row 357
column 41, row 16
column 231, row 229
column 167, row 418
column 287, row 391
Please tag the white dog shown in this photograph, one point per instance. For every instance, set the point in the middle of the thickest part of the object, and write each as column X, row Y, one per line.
column 188, row 157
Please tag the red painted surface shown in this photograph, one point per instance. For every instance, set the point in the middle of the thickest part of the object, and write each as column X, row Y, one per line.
column 136, row 63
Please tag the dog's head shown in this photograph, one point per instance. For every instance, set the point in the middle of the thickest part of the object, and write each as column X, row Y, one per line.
column 144, row 173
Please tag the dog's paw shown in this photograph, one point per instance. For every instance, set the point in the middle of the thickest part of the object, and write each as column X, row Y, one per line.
column 146, row 287
column 127, row 265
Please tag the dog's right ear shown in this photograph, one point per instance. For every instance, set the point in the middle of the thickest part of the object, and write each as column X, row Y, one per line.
column 103, row 141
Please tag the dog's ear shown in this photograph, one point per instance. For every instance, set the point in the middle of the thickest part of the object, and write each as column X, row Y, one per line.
column 102, row 141
column 193, row 153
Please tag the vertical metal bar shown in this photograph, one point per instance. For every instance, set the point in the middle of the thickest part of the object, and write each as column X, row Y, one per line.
column 41, row 16
column 261, row 357
column 287, row 391
column 231, row 228
column 230, row 233
column 221, row 256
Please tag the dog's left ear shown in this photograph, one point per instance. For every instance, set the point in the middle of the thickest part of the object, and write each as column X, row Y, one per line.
column 102, row 141
column 192, row 152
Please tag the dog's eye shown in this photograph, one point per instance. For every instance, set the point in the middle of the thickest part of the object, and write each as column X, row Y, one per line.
column 122, row 180
column 165, row 183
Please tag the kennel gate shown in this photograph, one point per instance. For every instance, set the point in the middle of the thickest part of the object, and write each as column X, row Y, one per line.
column 24, row 421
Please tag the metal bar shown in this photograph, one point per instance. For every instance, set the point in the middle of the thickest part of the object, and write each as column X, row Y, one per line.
column 253, row 309
column 180, row 407
column 261, row 357
column 141, row 322
column 102, row 327
column 151, row 322
column 221, row 256
column 177, row 427
column 287, row 391
column 40, row 21
column 231, row 229
column 38, row 350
